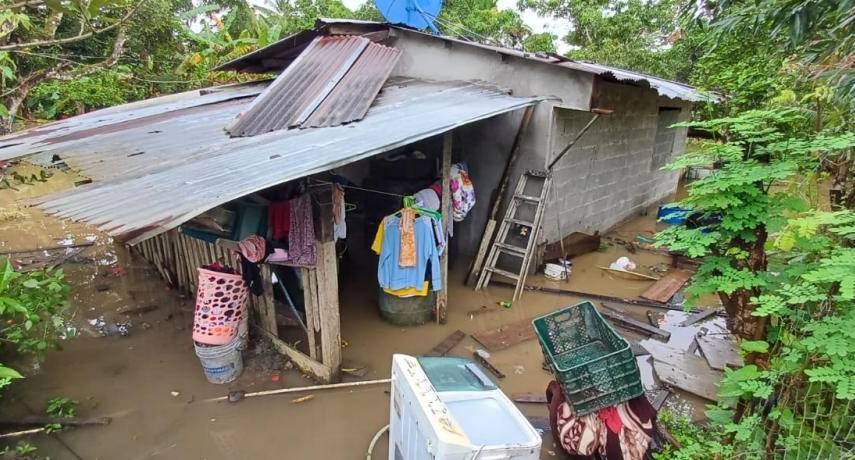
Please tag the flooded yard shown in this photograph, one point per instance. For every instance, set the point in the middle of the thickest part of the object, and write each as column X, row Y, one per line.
column 151, row 385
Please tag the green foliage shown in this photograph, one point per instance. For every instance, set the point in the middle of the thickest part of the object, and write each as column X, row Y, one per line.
column 101, row 89
column 32, row 309
column 634, row 34
column 60, row 408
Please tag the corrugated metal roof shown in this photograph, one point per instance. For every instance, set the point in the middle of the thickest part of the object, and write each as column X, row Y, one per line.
column 333, row 81
column 668, row 88
column 189, row 164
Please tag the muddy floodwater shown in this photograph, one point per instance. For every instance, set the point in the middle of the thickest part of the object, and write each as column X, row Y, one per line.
column 151, row 385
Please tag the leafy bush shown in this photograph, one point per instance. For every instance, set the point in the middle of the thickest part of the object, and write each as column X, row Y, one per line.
column 32, row 314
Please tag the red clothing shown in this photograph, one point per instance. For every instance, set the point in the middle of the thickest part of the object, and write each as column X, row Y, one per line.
column 279, row 219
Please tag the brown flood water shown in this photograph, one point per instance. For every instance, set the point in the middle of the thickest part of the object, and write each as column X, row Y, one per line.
column 132, row 379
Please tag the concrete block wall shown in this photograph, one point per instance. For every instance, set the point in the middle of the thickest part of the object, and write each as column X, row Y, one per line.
column 610, row 175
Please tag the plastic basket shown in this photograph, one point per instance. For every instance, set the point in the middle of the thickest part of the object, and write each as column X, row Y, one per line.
column 593, row 363
column 220, row 306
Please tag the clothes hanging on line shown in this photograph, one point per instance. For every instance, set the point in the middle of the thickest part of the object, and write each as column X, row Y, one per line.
column 462, row 192
column 301, row 234
column 338, row 205
column 387, row 244
column 408, row 238
column 279, row 219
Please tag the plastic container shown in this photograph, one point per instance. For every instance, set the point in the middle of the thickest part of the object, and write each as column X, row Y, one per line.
column 221, row 363
column 220, row 307
column 406, row 311
column 593, row 363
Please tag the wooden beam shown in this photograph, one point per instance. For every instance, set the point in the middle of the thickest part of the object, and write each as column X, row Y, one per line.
column 442, row 295
column 327, row 292
column 487, row 237
column 591, row 295
column 266, row 303
column 633, row 324
column 310, row 304
column 306, row 364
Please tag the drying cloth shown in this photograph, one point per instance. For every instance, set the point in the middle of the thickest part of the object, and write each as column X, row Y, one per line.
column 253, row 247
column 251, row 274
column 409, row 292
column 588, row 434
column 301, row 235
column 408, row 238
column 339, row 223
column 278, row 218
column 387, row 243
column 462, row 192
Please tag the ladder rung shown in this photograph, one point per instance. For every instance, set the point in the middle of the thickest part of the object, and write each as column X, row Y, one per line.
column 506, row 273
column 533, row 199
column 514, row 250
column 520, row 222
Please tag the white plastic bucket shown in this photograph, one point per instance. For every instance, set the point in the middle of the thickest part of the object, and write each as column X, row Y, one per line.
column 221, row 363
column 555, row 271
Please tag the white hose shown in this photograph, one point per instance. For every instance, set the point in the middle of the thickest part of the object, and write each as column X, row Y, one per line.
column 374, row 441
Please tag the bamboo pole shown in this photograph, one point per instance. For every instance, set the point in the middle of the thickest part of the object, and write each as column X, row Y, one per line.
column 303, row 389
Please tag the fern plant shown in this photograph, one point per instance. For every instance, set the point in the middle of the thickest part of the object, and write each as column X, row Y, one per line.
column 785, row 272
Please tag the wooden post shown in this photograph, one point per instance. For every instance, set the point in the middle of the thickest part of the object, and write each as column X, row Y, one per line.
column 327, row 291
column 310, row 301
column 442, row 296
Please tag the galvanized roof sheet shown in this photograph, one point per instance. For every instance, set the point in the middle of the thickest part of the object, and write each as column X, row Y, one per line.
column 154, row 176
column 333, row 81
column 266, row 59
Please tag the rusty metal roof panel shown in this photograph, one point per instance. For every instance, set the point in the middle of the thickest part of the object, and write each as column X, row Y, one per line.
column 190, row 164
column 333, row 81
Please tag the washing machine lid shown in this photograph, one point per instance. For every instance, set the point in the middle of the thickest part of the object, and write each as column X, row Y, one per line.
column 448, row 373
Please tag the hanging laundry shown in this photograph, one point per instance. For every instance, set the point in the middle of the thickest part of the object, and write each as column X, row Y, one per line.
column 252, row 249
column 438, row 235
column 408, row 238
column 278, row 219
column 339, row 223
column 301, row 234
column 387, row 243
column 462, row 192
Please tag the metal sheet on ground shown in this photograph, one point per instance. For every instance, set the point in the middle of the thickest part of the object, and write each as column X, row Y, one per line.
column 667, row 286
column 720, row 351
column 630, row 323
column 505, row 336
column 681, row 370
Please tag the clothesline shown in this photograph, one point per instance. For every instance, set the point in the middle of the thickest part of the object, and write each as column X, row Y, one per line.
column 323, row 182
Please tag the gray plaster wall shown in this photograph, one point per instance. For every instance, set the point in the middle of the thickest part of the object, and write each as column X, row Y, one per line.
column 610, row 174
column 606, row 178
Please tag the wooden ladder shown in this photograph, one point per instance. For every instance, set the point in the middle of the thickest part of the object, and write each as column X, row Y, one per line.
column 502, row 245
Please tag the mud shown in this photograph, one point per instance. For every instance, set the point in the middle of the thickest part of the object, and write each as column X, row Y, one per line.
column 133, row 379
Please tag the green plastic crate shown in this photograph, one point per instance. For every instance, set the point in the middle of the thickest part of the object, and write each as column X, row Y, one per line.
column 593, row 363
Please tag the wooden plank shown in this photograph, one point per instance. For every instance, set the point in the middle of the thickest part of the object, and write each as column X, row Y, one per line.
column 594, row 296
column 310, row 304
column 684, row 371
column 490, row 228
column 328, row 302
column 630, row 275
column 667, row 286
column 575, row 244
column 529, row 398
column 27, row 262
column 627, row 322
column 442, row 295
column 505, row 336
column 266, row 305
column 720, row 351
column 660, row 399
column 442, row 348
column 306, row 364
column 483, row 361
column 699, row 316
